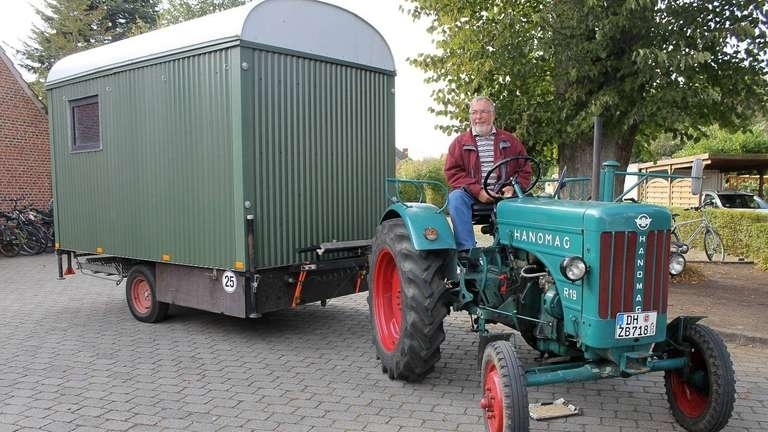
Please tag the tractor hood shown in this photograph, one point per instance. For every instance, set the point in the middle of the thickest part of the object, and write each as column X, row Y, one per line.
column 562, row 224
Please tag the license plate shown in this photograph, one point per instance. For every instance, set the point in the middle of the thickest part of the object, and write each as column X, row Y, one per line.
column 633, row 325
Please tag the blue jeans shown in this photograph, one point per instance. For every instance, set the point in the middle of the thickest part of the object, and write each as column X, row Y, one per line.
column 460, row 209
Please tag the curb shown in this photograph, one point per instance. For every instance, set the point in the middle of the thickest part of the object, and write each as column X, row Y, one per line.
column 742, row 339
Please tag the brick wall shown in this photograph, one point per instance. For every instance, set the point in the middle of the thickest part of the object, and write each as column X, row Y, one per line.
column 25, row 155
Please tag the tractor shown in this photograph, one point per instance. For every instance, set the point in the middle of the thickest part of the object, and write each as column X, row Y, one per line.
column 582, row 282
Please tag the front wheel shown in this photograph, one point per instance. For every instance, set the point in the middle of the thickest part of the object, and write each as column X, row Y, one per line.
column 141, row 294
column 713, row 245
column 504, row 394
column 701, row 396
column 405, row 302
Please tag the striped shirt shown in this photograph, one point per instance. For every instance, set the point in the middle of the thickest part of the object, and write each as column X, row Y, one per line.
column 485, row 152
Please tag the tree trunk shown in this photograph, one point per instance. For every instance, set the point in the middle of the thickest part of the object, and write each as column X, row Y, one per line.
column 577, row 156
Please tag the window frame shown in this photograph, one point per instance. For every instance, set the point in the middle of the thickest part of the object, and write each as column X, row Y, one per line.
column 74, row 147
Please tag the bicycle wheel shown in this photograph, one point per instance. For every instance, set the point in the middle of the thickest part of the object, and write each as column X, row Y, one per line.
column 677, row 243
column 9, row 245
column 713, row 245
column 35, row 242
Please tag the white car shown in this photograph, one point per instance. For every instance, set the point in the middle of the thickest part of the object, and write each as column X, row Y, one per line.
column 733, row 200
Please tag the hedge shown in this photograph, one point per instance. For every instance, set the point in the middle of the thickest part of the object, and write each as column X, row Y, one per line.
column 744, row 233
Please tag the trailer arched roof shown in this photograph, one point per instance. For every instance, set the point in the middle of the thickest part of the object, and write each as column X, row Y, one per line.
column 303, row 26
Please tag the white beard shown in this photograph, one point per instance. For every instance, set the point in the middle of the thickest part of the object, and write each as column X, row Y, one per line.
column 482, row 130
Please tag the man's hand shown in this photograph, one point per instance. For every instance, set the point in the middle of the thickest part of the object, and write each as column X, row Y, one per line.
column 484, row 197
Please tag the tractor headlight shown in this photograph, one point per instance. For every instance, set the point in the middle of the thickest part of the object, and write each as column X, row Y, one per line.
column 573, row 268
column 676, row 263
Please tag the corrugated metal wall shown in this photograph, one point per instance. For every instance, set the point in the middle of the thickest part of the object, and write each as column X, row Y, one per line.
column 324, row 142
column 187, row 141
column 163, row 183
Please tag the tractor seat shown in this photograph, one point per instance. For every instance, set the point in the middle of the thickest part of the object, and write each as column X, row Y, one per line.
column 481, row 213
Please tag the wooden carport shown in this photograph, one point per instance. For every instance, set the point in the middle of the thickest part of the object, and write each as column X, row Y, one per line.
column 717, row 168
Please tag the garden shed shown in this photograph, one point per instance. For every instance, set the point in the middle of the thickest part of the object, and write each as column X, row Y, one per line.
column 279, row 112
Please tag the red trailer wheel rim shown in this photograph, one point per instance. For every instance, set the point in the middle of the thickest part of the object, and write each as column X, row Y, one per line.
column 692, row 401
column 141, row 296
column 386, row 300
column 492, row 402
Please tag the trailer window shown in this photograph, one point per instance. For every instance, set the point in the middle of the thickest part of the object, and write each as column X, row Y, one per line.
column 86, row 133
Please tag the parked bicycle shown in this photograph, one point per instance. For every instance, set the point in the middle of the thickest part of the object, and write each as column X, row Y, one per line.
column 10, row 239
column 714, row 248
column 25, row 230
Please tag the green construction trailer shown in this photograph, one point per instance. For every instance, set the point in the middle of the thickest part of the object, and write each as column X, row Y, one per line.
column 233, row 163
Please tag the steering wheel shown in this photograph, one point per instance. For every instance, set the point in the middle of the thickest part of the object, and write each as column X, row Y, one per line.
column 495, row 191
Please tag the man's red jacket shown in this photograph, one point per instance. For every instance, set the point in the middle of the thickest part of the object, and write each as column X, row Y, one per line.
column 462, row 164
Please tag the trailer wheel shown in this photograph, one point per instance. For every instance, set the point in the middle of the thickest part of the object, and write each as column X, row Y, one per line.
column 504, row 391
column 702, row 395
column 141, row 294
column 405, row 303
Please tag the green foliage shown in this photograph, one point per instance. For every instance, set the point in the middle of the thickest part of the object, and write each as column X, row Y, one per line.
column 69, row 26
column 712, row 139
column 645, row 67
column 426, row 169
column 125, row 18
column 717, row 140
column 177, row 11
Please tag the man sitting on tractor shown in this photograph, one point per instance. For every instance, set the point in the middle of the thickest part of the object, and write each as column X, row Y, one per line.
column 470, row 156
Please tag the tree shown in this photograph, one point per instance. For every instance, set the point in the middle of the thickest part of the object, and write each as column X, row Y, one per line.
column 70, row 26
column 644, row 66
column 717, row 140
column 177, row 11
column 129, row 17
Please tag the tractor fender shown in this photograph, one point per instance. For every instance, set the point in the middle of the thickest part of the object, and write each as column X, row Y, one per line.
column 675, row 332
column 418, row 217
column 676, row 327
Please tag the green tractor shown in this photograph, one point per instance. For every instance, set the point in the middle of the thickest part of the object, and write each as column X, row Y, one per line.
column 584, row 283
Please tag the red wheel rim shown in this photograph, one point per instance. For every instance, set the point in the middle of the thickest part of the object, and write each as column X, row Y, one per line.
column 386, row 300
column 141, row 296
column 493, row 399
column 692, row 401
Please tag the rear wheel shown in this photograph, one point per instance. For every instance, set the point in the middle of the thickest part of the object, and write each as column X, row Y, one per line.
column 504, row 392
column 713, row 245
column 141, row 294
column 701, row 396
column 405, row 302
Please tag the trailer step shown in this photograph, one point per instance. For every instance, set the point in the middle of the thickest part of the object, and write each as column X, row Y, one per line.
column 339, row 246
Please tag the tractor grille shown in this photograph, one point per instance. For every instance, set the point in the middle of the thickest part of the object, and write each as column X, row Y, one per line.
column 632, row 265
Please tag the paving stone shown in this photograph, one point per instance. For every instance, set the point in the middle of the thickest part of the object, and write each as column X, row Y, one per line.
column 80, row 362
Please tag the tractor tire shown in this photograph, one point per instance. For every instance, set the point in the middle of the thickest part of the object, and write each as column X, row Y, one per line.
column 713, row 245
column 405, row 299
column 141, row 295
column 702, row 399
column 504, row 390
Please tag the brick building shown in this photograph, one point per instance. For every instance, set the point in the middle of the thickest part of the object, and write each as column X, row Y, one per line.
column 25, row 154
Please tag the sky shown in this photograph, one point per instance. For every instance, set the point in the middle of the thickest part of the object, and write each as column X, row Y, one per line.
column 414, row 125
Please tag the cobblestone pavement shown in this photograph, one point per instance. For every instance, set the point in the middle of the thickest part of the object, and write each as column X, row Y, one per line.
column 73, row 359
